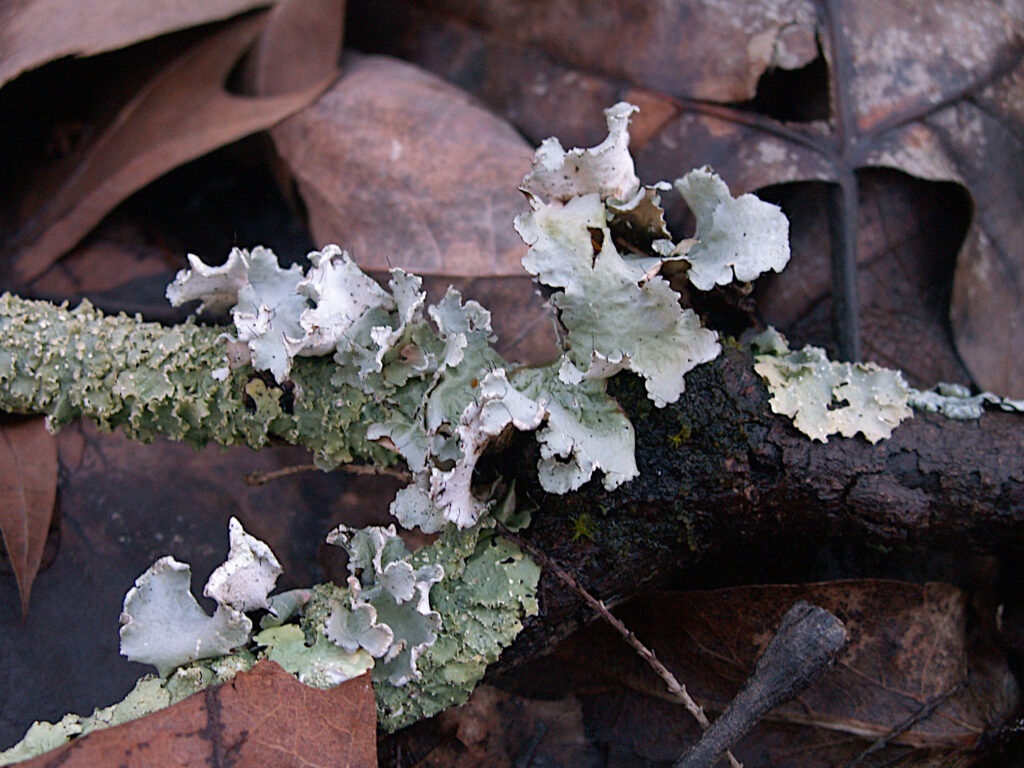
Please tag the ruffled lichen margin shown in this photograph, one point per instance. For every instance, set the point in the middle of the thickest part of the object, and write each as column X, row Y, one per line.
column 330, row 360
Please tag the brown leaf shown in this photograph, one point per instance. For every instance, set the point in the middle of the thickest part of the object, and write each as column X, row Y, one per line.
column 99, row 265
column 909, row 645
column 264, row 717
column 906, row 255
column 28, row 490
column 33, row 32
column 300, row 45
column 123, row 506
column 182, row 113
column 932, row 91
column 406, row 171
column 703, row 50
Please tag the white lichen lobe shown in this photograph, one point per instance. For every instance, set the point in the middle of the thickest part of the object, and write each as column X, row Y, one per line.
column 738, row 238
column 163, row 625
column 249, row 574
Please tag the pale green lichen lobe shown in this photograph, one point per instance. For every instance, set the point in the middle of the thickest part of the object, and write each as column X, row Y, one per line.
column 955, row 401
column 738, row 238
column 824, row 397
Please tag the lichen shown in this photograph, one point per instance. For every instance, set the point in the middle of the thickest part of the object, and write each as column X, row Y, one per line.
column 737, row 238
column 955, row 401
column 617, row 312
column 387, row 610
column 488, row 587
column 163, row 625
column 328, row 358
column 824, row 397
column 616, row 317
column 245, row 579
column 150, row 381
column 320, row 665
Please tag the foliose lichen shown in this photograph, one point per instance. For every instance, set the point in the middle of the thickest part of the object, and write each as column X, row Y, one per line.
column 955, row 401
column 163, row 625
column 825, row 397
column 329, row 359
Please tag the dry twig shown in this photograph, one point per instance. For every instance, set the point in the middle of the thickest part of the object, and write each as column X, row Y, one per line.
column 261, row 478
column 677, row 689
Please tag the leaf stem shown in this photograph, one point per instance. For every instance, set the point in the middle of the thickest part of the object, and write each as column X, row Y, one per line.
column 846, row 304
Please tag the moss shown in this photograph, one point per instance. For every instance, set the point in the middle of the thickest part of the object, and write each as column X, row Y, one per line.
column 583, row 527
column 681, row 436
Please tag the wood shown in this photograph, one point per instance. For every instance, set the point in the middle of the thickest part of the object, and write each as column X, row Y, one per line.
column 720, row 473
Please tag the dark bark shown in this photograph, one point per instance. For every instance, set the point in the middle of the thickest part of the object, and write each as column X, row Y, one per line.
column 721, row 475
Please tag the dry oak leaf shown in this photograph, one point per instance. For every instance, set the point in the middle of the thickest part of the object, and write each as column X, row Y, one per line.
column 930, row 89
column 910, row 646
column 182, row 113
column 263, row 717
column 33, row 32
column 28, row 491
column 300, row 45
column 407, row 171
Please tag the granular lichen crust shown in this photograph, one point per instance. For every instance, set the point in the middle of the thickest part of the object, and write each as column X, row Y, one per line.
column 151, row 380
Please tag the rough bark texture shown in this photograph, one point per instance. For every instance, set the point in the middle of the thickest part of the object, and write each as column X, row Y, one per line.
column 719, row 472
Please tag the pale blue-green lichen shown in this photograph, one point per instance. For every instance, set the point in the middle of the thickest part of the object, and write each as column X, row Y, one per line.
column 422, row 382
column 738, row 238
column 824, row 397
column 245, row 579
column 320, row 665
column 151, row 380
column 955, row 401
column 615, row 315
column 387, row 612
column 163, row 625
column 488, row 587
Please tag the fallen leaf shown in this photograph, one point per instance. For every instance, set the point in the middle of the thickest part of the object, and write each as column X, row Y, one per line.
column 33, row 32
column 102, row 265
column 123, row 506
column 932, row 91
column 909, row 646
column 182, row 113
column 909, row 230
column 263, row 717
column 406, row 171
column 301, row 44
column 28, row 490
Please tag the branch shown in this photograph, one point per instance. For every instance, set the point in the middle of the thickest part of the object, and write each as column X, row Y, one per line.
column 719, row 472
column 152, row 380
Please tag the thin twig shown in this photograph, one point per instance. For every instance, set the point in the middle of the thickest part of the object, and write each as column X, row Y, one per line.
column 921, row 714
column 260, row 478
column 677, row 689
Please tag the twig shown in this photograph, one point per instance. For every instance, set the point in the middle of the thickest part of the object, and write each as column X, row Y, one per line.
column 921, row 714
column 677, row 689
column 260, row 478
column 806, row 643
